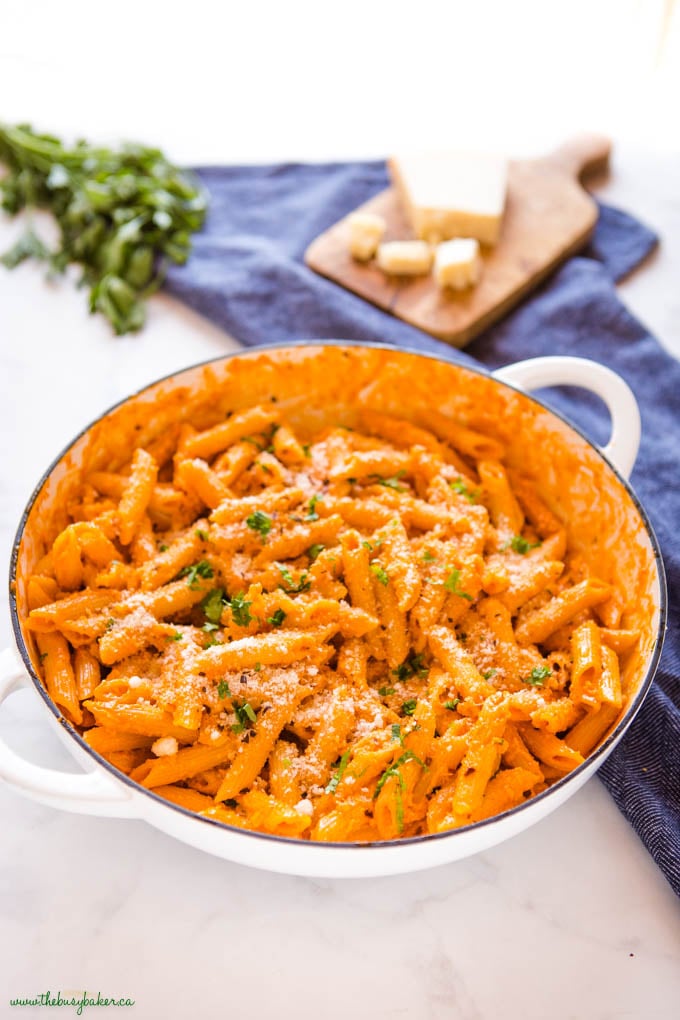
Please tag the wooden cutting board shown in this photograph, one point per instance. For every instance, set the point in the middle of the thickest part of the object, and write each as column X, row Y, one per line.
column 548, row 216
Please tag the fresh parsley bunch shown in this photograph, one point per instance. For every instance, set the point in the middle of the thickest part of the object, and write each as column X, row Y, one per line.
column 122, row 215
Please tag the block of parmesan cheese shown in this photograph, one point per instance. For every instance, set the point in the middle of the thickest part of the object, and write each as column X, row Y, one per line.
column 457, row 263
column 405, row 258
column 452, row 194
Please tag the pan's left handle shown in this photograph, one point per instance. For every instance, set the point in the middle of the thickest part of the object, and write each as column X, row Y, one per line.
column 89, row 793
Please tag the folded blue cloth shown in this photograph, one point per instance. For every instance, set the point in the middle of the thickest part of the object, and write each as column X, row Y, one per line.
column 247, row 275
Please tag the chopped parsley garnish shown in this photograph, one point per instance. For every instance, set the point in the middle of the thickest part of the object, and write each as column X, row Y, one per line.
column 223, row 689
column 375, row 544
column 537, row 677
column 194, row 573
column 110, row 623
column 520, row 545
column 213, row 604
column 338, row 774
column 452, row 705
column 312, row 515
column 163, row 547
column 380, row 573
column 409, row 707
column 203, row 535
column 459, row 486
column 254, row 442
column 261, row 522
column 396, row 734
column 257, row 667
column 306, row 449
column 452, row 584
column 385, row 692
column 429, row 557
column 315, row 549
column 292, row 587
column 393, row 770
column 487, row 674
column 245, row 714
column 240, row 609
column 277, row 618
column 209, row 627
column 413, row 666
column 390, row 483
column 177, row 636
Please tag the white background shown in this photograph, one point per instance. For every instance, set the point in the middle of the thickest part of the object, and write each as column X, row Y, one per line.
column 571, row 919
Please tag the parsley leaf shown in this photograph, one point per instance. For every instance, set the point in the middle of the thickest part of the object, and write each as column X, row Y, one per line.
column 537, row 677
column 240, row 609
column 459, row 486
column 177, row 636
column 429, row 557
column 277, row 618
column 213, row 604
column 413, row 666
column 409, row 707
column 312, row 515
column 202, row 569
column 385, row 692
column 520, row 545
column 452, row 705
column 487, row 674
column 260, row 522
column 293, row 588
column 380, row 573
column 315, row 549
column 339, row 773
column 203, row 535
column 390, row 483
column 393, row 770
column 223, row 689
column 245, row 714
column 396, row 734
column 452, row 584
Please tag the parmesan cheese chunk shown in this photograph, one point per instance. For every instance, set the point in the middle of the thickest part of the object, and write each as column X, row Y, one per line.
column 405, row 258
column 304, row 807
column 366, row 231
column 452, row 194
column 164, row 746
column 457, row 263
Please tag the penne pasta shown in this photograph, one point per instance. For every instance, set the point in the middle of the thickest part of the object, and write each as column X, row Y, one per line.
column 343, row 632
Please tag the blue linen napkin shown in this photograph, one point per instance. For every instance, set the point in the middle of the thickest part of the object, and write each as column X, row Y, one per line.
column 247, row 274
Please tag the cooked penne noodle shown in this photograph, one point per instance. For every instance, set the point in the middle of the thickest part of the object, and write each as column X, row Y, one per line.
column 564, row 607
column 136, row 494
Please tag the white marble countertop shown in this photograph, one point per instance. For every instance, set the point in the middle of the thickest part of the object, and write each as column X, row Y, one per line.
column 572, row 919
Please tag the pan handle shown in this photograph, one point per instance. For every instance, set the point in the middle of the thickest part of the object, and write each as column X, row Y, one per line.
column 622, row 448
column 89, row 793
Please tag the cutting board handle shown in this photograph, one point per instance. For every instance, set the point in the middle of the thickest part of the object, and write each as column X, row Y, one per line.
column 584, row 154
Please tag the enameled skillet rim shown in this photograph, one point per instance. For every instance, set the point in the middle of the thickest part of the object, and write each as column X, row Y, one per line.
column 319, row 847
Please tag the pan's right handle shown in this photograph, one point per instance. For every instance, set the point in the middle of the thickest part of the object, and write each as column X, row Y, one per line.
column 89, row 793
column 623, row 445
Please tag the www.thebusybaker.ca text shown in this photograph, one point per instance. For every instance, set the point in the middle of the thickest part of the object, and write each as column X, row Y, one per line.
column 79, row 1004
